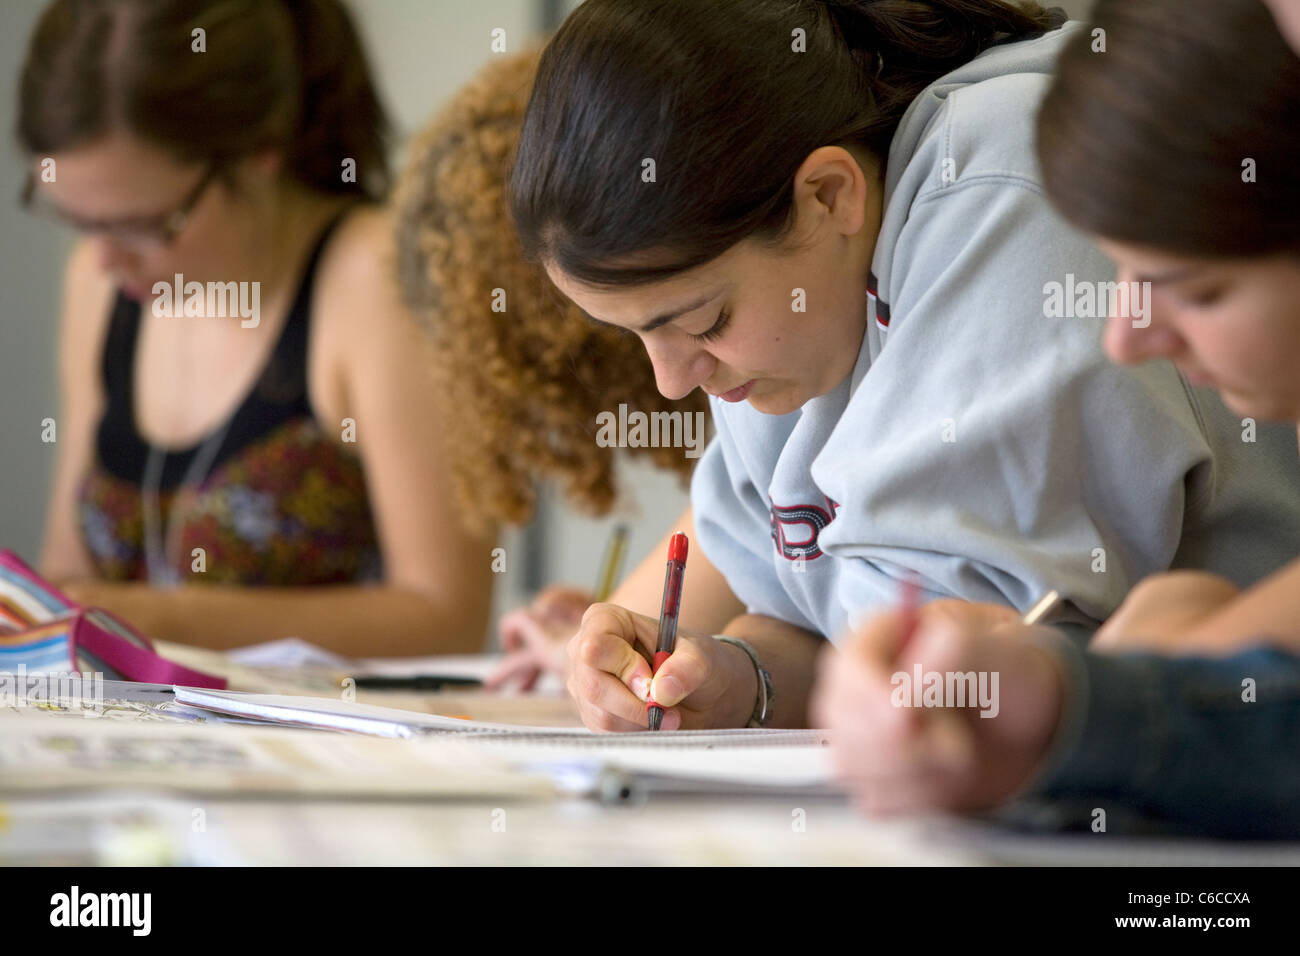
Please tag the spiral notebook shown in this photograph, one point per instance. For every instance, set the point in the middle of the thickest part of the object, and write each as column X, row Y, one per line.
column 617, row 766
column 332, row 714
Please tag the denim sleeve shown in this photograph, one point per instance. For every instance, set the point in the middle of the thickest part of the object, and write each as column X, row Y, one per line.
column 1206, row 745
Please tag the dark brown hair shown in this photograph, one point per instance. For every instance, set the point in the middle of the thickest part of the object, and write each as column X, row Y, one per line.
column 276, row 74
column 526, row 383
column 716, row 94
column 1145, row 142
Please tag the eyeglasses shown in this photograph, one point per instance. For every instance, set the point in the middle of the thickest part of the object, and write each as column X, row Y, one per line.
column 157, row 231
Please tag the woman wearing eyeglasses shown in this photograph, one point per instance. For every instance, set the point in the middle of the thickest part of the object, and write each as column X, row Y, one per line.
column 225, row 479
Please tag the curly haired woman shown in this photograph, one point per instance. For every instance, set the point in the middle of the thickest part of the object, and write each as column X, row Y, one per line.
column 527, row 371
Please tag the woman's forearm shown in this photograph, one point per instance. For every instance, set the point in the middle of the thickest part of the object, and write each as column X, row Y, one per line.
column 354, row 620
column 707, row 601
column 789, row 654
column 1269, row 610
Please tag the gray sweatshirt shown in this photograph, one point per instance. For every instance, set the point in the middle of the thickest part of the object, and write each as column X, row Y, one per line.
column 983, row 440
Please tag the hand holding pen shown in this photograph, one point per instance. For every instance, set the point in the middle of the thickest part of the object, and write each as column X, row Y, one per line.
column 673, row 580
column 702, row 684
column 895, row 755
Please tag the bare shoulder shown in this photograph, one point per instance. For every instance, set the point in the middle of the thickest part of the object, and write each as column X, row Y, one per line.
column 359, row 285
column 358, row 262
column 361, row 331
column 87, row 299
column 356, row 296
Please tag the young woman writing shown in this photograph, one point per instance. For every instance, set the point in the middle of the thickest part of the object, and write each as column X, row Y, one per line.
column 850, row 252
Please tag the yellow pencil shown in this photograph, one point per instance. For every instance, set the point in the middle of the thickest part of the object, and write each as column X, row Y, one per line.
column 612, row 563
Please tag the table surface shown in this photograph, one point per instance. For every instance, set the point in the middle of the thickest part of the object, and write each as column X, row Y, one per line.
column 171, row 826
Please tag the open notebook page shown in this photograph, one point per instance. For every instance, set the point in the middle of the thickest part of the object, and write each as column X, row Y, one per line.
column 329, row 713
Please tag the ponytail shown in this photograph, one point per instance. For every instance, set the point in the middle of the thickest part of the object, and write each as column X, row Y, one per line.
column 902, row 46
column 933, row 37
column 729, row 107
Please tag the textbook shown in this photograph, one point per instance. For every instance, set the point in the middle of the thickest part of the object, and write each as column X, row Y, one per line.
column 41, row 753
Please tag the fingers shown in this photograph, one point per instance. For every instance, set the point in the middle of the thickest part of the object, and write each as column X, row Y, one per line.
column 514, row 629
column 637, row 630
column 609, row 676
column 521, row 666
column 561, row 604
column 532, row 650
column 606, row 704
column 609, row 652
column 876, row 640
column 852, row 697
column 525, row 628
column 939, row 754
column 892, row 755
column 969, row 615
column 904, row 760
column 687, row 671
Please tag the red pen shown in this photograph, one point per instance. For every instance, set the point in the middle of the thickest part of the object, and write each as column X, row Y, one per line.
column 668, row 616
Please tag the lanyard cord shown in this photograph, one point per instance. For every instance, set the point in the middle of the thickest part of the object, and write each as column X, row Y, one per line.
column 160, row 546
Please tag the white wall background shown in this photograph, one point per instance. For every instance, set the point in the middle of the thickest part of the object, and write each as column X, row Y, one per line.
column 421, row 51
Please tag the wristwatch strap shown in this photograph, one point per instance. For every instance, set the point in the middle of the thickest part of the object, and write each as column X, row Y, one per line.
column 763, row 705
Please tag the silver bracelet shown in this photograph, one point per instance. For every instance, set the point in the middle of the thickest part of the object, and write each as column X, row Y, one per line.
column 763, row 706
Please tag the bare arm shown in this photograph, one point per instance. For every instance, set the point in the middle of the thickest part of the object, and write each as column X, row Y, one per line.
column 82, row 325
column 1195, row 612
column 1270, row 610
column 437, row 586
column 390, row 392
column 789, row 654
column 348, row 619
column 707, row 602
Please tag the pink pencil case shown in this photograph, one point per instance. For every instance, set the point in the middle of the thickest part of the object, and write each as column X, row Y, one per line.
column 44, row 631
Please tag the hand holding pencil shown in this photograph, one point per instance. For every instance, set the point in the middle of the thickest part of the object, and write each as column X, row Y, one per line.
column 901, row 758
column 534, row 637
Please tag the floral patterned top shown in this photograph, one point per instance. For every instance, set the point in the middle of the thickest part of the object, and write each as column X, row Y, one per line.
column 282, row 503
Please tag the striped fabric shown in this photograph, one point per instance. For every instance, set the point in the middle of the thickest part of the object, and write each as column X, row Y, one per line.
column 37, row 625
column 42, row 631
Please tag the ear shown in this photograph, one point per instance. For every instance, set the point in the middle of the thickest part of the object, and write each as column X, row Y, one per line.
column 831, row 185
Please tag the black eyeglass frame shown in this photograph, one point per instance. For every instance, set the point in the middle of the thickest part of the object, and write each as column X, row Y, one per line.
column 162, row 229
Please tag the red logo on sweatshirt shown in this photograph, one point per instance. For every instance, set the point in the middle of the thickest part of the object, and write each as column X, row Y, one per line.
column 795, row 528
